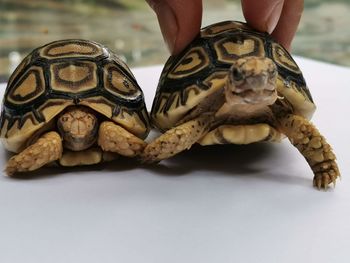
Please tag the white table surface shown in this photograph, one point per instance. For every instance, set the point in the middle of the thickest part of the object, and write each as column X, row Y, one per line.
column 213, row 204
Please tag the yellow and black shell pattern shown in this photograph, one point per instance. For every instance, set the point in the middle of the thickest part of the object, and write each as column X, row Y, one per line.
column 202, row 68
column 64, row 73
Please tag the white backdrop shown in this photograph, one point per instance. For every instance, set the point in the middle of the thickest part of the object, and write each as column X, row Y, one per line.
column 246, row 204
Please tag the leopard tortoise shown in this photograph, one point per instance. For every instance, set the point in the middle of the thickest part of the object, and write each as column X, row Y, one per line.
column 235, row 85
column 72, row 102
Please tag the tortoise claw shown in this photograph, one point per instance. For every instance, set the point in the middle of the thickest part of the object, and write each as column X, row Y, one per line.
column 322, row 181
column 318, row 183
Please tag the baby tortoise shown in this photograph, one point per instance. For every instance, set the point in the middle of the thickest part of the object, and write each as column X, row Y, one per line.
column 235, row 85
column 75, row 102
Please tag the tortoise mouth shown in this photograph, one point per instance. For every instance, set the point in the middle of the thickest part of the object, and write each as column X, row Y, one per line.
column 251, row 96
column 78, row 143
column 255, row 89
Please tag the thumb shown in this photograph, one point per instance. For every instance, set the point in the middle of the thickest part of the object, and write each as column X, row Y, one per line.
column 179, row 21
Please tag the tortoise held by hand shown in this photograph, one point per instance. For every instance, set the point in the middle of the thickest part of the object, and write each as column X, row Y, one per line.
column 235, row 85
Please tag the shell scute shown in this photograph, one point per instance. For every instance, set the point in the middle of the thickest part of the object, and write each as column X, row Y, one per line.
column 193, row 61
column 73, row 76
column 28, row 87
column 283, row 59
column 118, row 83
column 222, row 27
column 235, row 46
column 70, row 49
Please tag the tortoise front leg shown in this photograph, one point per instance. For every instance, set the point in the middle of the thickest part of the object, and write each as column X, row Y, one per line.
column 46, row 149
column 176, row 140
column 313, row 146
column 114, row 138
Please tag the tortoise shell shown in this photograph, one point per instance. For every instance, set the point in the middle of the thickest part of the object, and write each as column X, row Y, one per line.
column 202, row 68
column 65, row 73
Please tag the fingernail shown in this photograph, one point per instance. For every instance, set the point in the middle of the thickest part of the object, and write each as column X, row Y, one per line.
column 168, row 24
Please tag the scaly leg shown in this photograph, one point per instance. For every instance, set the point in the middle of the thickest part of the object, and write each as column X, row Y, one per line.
column 176, row 140
column 114, row 138
column 46, row 149
column 314, row 147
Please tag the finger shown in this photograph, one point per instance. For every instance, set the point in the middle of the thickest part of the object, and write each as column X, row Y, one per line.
column 277, row 17
column 179, row 21
column 288, row 22
column 262, row 15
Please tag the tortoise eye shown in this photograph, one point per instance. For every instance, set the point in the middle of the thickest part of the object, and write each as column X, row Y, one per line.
column 64, row 118
column 237, row 75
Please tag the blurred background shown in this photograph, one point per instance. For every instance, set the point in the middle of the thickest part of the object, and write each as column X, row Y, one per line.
column 130, row 28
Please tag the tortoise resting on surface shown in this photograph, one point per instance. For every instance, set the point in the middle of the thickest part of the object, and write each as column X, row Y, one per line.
column 235, row 85
column 75, row 102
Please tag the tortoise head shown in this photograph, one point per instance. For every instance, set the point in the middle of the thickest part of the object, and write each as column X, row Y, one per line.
column 78, row 127
column 252, row 80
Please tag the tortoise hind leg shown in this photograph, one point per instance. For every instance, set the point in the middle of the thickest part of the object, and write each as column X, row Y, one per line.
column 46, row 149
column 176, row 140
column 114, row 138
column 313, row 146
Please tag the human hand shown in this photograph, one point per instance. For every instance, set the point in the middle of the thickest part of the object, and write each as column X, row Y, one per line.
column 180, row 20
